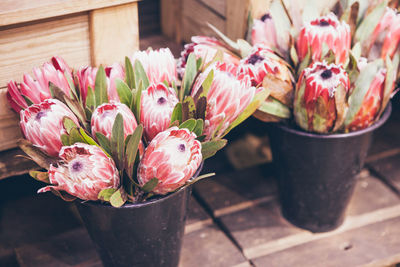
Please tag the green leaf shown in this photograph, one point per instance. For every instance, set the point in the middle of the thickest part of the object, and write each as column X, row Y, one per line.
column 198, row 129
column 206, row 85
column 226, row 39
column 106, row 194
column 138, row 99
column 40, row 176
column 391, row 70
column 27, row 100
column 140, row 75
column 77, row 109
column 73, row 92
column 65, row 140
column 361, row 87
column 244, row 48
column 177, row 113
column 90, row 100
column 132, row 148
column 104, row 142
column 75, row 137
column 117, row 141
column 294, row 56
column 188, row 108
column 150, row 185
column 208, row 149
column 124, row 92
column 369, row 23
column 68, row 124
column 189, row 76
column 100, row 88
column 118, row 198
column 304, row 63
column 189, row 124
column 258, row 99
column 38, row 156
column 129, row 74
column 274, row 107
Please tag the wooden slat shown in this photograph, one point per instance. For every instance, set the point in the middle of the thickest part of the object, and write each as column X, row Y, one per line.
column 236, row 19
column 10, row 130
column 18, row 11
column 26, row 47
column 218, row 6
column 171, row 19
column 114, row 33
column 194, row 18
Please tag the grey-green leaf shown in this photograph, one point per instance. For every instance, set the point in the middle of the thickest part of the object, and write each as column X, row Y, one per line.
column 208, row 149
column 150, row 185
column 100, row 88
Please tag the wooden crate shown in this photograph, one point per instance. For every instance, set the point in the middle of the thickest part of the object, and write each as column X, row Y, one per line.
column 82, row 32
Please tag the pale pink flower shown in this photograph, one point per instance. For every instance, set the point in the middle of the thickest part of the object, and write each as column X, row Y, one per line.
column 87, row 78
column 227, row 97
column 157, row 104
column 325, row 31
column 205, row 48
column 42, row 124
column 173, row 157
column 83, row 172
column 36, row 87
column 264, row 32
column 160, row 65
column 104, row 116
column 385, row 39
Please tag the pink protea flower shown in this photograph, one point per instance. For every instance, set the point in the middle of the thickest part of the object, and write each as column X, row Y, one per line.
column 326, row 30
column 264, row 32
column 321, row 95
column 36, row 88
column 84, row 171
column 160, row 65
column 385, row 39
column 42, row 124
column 173, row 157
column 227, row 97
column 104, row 116
column 205, row 48
column 157, row 104
column 87, row 78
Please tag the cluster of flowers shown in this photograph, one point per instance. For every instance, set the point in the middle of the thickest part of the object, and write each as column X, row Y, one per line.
column 126, row 133
column 335, row 74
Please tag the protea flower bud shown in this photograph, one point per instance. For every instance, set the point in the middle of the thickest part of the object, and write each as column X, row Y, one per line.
column 42, row 124
column 104, row 116
column 84, row 170
column 205, row 48
column 326, row 31
column 36, row 88
column 157, row 104
column 160, row 65
column 385, row 39
column 263, row 32
column 87, row 78
column 321, row 98
column 173, row 157
column 263, row 62
column 227, row 97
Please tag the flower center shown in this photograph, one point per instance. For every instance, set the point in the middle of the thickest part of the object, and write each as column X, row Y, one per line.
column 265, row 17
column 181, row 147
column 77, row 166
column 324, row 23
column 254, row 59
column 161, row 101
column 40, row 115
column 326, row 74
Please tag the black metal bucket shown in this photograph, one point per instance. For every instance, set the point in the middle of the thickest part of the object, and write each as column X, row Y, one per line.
column 143, row 234
column 317, row 173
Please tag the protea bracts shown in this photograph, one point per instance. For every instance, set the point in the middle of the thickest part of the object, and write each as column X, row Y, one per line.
column 42, row 124
column 87, row 77
column 84, row 170
column 173, row 156
column 36, row 88
column 227, row 98
column 205, row 48
column 264, row 32
column 157, row 104
column 160, row 65
column 385, row 39
column 321, row 98
column 104, row 116
column 319, row 36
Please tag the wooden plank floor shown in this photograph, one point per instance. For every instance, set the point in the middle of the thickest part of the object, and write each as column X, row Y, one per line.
column 234, row 218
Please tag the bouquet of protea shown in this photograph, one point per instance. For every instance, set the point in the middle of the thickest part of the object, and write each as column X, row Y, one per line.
column 120, row 134
column 334, row 65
